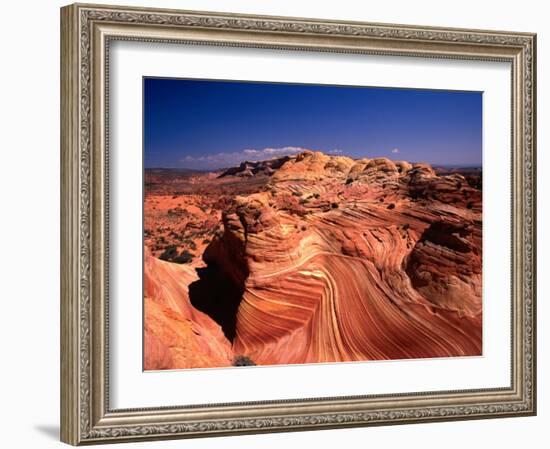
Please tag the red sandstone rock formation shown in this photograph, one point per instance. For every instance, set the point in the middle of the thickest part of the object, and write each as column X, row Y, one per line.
column 335, row 260
column 176, row 335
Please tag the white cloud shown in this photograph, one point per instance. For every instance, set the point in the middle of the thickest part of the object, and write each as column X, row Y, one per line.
column 284, row 151
column 395, row 150
column 223, row 160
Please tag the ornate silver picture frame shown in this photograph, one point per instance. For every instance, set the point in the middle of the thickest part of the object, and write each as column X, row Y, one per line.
column 87, row 32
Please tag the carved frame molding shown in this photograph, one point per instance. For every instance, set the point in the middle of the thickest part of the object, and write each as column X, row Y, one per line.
column 87, row 31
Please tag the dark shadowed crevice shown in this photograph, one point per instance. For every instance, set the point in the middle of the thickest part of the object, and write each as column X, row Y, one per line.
column 448, row 235
column 218, row 296
column 439, row 235
column 219, row 290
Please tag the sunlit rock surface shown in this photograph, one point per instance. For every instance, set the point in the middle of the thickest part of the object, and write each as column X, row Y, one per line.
column 333, row 259
column 176, row 335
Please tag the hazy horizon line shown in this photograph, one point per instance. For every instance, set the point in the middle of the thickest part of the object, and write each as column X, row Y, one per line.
column 466, row 165
column 233, row 158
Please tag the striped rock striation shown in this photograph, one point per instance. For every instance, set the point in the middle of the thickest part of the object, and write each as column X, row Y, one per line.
column 176, row 335
column 333, row 260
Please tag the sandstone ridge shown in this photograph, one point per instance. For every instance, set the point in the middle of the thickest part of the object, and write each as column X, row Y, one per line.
column 337, row 259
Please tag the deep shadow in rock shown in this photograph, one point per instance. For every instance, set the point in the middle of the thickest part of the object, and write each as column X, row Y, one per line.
column 218, row 296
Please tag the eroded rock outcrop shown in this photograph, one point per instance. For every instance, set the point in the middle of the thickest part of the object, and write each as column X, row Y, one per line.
column 334, row 260
column 355, row 260
column 176, row 334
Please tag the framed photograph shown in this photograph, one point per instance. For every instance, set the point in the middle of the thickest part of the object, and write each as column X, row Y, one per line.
column 280, row 224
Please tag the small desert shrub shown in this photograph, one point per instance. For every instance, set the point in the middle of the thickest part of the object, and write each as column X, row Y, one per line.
column 169, row 253
column 184, row 257
column 349, row 181
column 391, row 206
column 242, row 360
column 334, row 205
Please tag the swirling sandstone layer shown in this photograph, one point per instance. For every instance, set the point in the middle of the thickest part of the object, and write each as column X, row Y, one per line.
column 334, row 260
column 347, row 260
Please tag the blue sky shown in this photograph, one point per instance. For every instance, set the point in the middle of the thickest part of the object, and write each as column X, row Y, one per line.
column 204, row 124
